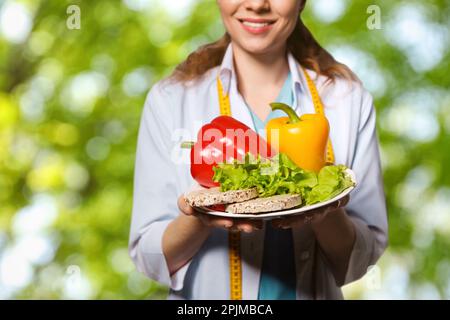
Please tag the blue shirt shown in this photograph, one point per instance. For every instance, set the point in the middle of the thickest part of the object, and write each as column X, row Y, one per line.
column 278, row 280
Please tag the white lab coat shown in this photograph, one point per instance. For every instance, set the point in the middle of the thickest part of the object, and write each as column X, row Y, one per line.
column 175, row 112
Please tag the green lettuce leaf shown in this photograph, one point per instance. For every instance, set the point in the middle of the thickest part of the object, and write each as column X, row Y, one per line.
column 279, row 175
column 332, row 181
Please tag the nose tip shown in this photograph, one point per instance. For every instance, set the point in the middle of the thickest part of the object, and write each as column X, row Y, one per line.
column 257, row 5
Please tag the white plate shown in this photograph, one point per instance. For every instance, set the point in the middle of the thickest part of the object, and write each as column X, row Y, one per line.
column 282, row 213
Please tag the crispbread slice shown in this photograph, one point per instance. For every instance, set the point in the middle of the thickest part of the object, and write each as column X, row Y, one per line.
column 213, row 196
column 269, row 204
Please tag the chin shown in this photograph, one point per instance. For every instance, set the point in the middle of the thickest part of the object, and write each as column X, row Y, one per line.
column 257, row 46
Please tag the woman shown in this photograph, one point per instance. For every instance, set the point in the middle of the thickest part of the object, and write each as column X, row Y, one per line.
column 260, row 59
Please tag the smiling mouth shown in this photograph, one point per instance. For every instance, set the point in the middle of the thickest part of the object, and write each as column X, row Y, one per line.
column 256, row 25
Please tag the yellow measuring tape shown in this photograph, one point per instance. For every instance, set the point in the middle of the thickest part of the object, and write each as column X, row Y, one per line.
column 234, row 237
column 318, row 106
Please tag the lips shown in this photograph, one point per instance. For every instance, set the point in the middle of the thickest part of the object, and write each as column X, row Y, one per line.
column 256, row 26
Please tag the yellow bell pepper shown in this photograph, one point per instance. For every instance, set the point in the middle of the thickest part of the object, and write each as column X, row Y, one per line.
column 303, row 139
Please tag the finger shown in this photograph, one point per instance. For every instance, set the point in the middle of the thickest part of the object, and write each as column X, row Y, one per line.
column 250, row 225
column 286, row 223
column 185, row 207
column 243, row 226
column 345, row 200
column 340, row 203
column 328, row 208
column 302, row 220
column 217, row 222
column 318, row 210
column 246, row 227
column 229, row 224
column 292, row 224
column 334, row 206
column 221, row 223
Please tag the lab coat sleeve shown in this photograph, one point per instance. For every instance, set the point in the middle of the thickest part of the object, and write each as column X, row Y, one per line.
column 155, row 191
column 367, row 205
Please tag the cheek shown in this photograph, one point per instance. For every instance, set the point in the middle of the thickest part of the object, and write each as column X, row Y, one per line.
column 288, row 10
column 286, row 6
column 290, row 21
column 227, row 8
column 231, row 26
column 285, row 28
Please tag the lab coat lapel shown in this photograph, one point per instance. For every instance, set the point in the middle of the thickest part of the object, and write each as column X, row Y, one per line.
column 252, row 247
column 304, row 247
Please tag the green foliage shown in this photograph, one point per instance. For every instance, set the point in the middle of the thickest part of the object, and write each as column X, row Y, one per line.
column 70, row 105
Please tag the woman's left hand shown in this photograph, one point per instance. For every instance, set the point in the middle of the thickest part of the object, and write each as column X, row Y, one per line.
column 313, row 217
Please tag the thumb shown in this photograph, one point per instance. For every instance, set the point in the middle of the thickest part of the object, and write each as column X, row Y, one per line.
column 184, row 206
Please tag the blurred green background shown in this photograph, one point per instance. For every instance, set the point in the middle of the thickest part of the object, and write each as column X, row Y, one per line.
column 70, row 104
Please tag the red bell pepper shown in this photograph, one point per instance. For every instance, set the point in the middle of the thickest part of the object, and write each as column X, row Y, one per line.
column 223, row 140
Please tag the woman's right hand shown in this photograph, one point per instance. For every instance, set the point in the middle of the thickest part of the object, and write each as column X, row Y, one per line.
column 210, row 221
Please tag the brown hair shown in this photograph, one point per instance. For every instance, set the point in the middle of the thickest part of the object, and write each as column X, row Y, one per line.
column 301, row 43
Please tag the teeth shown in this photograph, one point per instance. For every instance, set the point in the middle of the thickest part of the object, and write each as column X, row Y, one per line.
column 255, row 25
